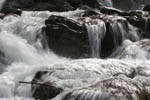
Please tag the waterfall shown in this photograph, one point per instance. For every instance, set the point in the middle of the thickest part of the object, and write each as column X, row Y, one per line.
column 24, row 52
column 106, row 2
column 96, row 32
column 1, row 3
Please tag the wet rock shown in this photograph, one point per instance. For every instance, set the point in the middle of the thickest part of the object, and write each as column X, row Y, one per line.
column 85, row 71
column 120, row 25
column 136, row 18
column 67, row 37
column 2, row 15
column 147, row 8
column 92, row 78
column 8, row 11
column 44, row 90
column 109, row 10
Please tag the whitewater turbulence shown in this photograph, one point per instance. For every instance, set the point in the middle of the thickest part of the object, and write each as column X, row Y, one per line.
column 30, row 69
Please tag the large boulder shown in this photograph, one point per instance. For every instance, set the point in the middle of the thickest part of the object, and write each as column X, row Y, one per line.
column 8, row 11
column 108, row 28
column 67, row 37
column 147, row 8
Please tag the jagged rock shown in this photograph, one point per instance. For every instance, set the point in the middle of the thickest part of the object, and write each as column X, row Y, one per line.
column 44, row 90
column 50, row 5
column 67, row 37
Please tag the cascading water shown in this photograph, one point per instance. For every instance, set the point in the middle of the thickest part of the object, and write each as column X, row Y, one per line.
column 96, row 32
column 23, row 50
column 106, row 2
column 23, row 53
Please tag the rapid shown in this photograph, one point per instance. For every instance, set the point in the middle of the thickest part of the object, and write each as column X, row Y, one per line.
column 24, row 51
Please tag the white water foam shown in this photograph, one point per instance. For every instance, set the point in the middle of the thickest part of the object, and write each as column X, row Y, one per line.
column 20, row 45
column 24, row 51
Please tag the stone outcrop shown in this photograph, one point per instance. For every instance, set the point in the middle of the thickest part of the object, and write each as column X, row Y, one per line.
column 67, row 37
column 8, row 11
column 62, row 32
column 147, row 8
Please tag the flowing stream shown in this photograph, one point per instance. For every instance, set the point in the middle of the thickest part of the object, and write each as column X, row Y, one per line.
column 22, row 54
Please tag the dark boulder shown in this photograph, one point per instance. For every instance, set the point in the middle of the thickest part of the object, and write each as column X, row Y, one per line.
column 46, row 90
column 67, row 37
column 147, row 8
column 8, row 11
column 2, row 15
column 62, row 32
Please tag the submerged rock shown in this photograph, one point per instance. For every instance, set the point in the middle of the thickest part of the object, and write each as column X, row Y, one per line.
column 76, row 75
column 44, row 90
column 96, row 79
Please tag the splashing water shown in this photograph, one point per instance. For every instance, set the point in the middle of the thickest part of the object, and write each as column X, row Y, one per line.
column 22, row 48
column 24, row 51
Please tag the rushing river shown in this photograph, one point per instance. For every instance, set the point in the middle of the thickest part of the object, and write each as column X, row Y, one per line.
column 22, row 54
